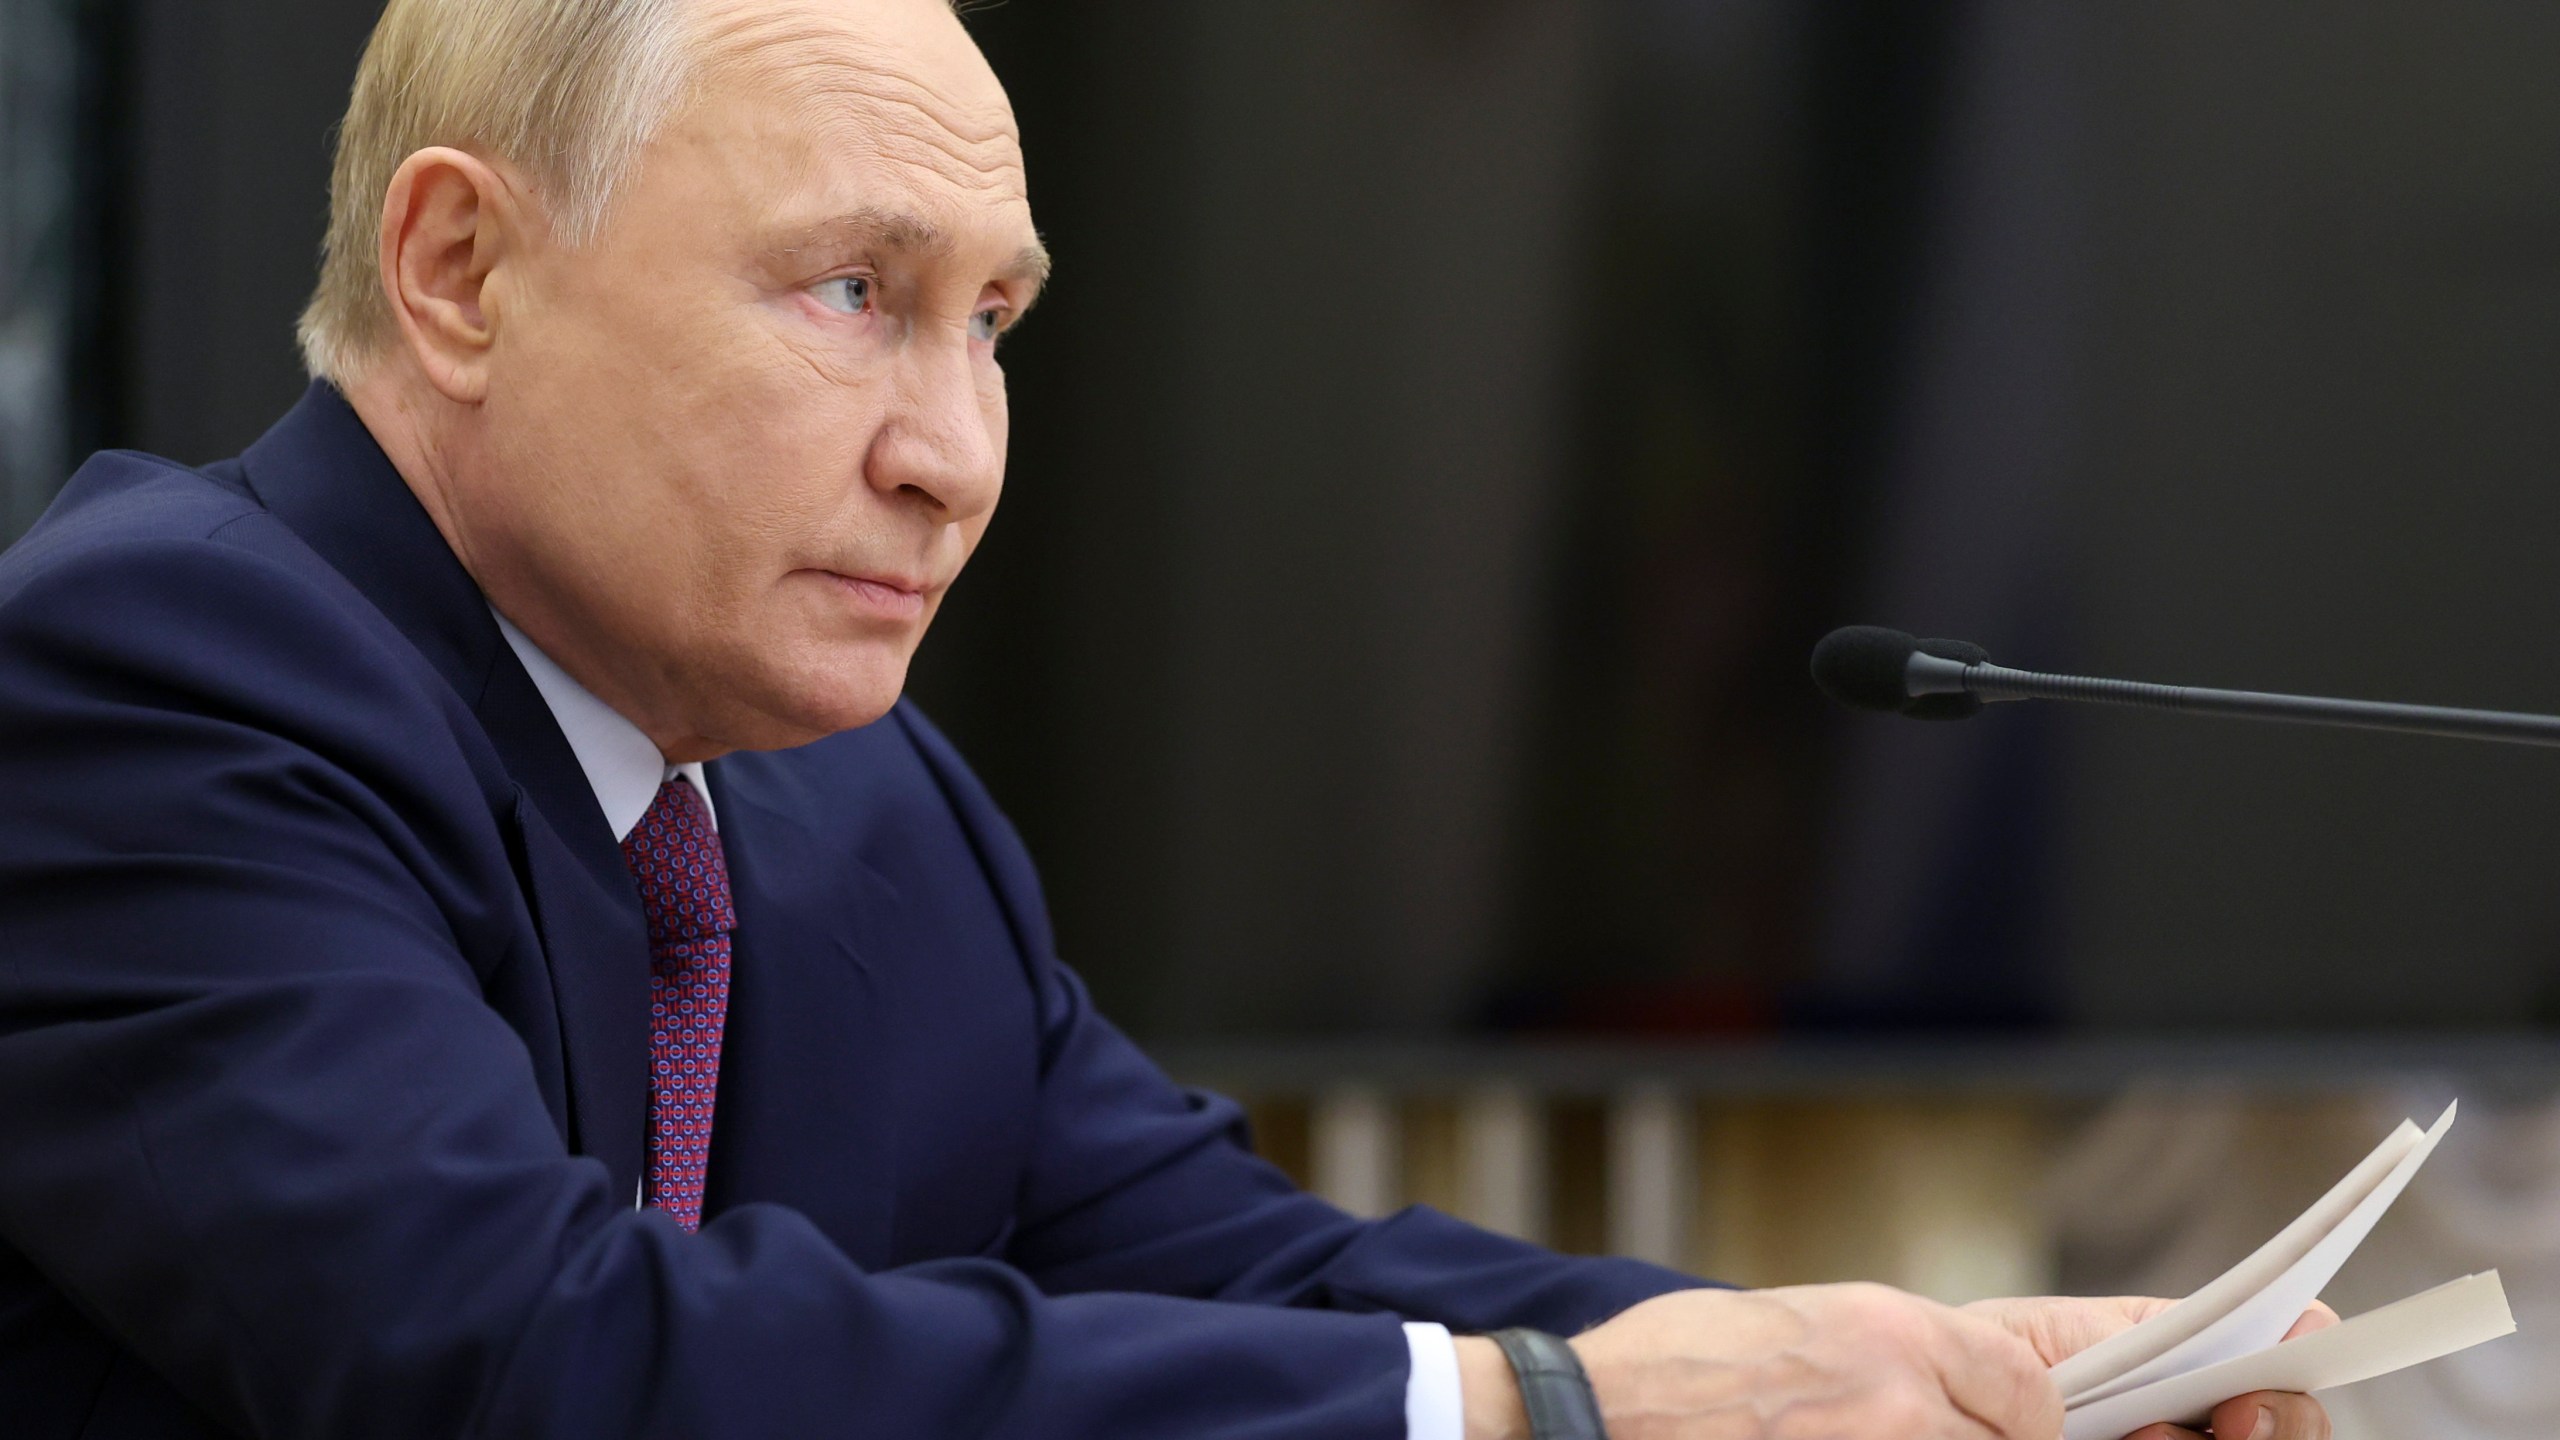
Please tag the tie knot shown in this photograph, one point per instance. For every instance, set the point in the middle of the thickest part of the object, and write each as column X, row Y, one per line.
column 675, row 856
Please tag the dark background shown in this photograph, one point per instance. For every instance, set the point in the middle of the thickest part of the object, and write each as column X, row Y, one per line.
column 1455, row 420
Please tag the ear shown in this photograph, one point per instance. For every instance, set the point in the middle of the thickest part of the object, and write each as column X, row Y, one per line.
column 451, row 223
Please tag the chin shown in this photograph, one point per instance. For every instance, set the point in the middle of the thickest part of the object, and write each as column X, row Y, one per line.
column 850, row 692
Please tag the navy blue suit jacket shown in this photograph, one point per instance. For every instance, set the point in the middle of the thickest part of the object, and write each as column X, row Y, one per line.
column 324, row 1018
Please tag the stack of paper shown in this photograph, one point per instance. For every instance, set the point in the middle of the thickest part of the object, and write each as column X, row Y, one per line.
column 2227, row 1339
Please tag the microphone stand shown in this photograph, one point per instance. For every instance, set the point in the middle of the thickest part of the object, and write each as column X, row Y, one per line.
column 1932, row 675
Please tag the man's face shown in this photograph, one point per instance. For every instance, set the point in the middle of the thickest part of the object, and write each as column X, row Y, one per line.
column 738, row 447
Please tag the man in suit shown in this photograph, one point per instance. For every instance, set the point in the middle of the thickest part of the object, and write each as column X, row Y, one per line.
column 486, row 951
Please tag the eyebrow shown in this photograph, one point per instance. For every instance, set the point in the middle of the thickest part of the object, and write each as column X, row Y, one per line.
column 901, row 232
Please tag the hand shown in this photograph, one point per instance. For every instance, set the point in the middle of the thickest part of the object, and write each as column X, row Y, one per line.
column 2059, row 1328
column 1822, row 1362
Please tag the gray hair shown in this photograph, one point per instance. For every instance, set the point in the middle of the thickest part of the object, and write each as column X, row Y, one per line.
column 568, row 90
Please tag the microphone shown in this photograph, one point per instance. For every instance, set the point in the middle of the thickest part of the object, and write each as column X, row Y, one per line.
column 1868, row 667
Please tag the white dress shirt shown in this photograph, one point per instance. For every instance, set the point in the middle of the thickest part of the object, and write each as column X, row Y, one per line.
column 624, row 768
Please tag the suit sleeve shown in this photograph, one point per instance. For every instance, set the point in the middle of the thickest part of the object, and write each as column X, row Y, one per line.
column 263, row 1131
column 1140, row 1184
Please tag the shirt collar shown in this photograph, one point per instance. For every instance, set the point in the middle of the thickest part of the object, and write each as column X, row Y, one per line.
column 623, row 765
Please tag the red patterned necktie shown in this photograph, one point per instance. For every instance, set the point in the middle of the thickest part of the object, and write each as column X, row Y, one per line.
column 684, row 891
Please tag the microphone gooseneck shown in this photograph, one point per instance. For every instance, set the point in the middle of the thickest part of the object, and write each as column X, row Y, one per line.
column 1873, row 668
column 2035, row 685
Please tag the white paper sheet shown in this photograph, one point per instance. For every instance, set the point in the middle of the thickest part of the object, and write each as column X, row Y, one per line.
column 2269, row 1304
column 2228, row 1338
column 2423, row 1327
column 2119, row 1355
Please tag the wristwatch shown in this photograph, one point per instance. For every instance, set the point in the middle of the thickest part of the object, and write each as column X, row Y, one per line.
column 1553, row 1388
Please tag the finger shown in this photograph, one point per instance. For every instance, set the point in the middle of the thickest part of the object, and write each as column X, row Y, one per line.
column 2060, row 1327
column 1996, row 1378
column 2318, row 1317
column 2270, row 1415
column 2133, row 1309
column 2165, row 1432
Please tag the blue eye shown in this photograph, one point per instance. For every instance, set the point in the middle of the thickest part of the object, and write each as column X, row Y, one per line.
column 846, row 294
column 986, row 325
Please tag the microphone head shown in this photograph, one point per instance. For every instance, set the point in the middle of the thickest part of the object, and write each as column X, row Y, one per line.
column 1865, row 667
column 1862, row 666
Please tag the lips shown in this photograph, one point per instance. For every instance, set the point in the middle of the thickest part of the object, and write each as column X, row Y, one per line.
column 893, row 597
column 904, row 585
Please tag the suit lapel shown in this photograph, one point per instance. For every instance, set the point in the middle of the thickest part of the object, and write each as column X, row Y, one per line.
column 321, row 472
column 587, row 910
column 809, row 1082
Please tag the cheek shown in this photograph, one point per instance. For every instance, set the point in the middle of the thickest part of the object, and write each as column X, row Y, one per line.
column 997, row 407
column 770, row 439
column 712, row 446
column 619, row 402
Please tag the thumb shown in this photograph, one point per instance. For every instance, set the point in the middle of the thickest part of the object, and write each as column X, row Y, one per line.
column 2059, row 1327
column 2318, row 1317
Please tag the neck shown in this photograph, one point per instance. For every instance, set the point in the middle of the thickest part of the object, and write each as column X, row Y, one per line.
column 418, row 447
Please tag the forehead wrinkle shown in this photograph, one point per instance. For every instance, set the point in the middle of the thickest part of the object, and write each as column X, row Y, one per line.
column 901, row 146
column 866, row 109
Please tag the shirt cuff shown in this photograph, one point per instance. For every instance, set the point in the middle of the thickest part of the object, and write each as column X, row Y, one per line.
column 1434, row 1406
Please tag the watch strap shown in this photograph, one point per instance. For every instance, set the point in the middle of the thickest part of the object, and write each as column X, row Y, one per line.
column 1553, row 1388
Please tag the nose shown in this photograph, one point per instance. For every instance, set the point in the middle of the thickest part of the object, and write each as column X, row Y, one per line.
column 943, row 439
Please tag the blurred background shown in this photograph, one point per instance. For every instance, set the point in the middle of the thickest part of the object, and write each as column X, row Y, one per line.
column 1454, row 422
